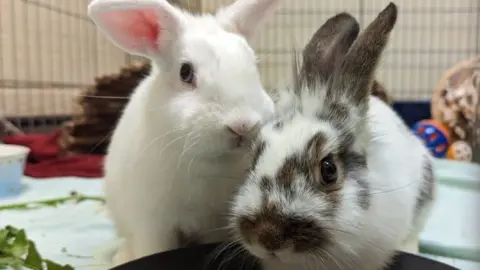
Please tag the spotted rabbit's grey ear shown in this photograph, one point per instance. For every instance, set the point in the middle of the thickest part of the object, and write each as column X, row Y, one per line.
column 327, row 47
column 353, row 78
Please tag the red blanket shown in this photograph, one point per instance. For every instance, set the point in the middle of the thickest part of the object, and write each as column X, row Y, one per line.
column 44, row 160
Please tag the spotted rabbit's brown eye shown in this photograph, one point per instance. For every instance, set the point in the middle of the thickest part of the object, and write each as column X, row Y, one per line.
column 328, row 170
column 187, row 73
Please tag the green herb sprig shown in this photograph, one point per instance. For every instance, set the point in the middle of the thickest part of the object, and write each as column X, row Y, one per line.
column 73, row 197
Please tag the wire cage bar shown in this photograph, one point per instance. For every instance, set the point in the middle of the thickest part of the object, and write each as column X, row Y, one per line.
column 50, row 50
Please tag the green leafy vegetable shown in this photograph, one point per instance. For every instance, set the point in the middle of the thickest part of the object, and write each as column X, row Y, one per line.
column 55, row 266
column 33, row 259
column 20, row 244
column 3, row 238
column 18, row 252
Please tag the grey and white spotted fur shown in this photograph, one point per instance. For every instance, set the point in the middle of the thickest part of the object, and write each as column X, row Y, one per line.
column 290, row 213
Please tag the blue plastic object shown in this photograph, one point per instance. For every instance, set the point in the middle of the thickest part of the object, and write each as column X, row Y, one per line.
column 434, row 135
column 12, row 166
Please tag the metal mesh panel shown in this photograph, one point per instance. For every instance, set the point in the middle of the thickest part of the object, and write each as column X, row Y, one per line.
column 50, row 50
column 430, row 37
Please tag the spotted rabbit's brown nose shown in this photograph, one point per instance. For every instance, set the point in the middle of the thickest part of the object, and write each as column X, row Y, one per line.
column 269, row 241
column 270, row 236
column 264, row 232
column 273, row 232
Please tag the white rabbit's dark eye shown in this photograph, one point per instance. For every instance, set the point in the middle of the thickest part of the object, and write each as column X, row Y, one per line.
column 187, row 74
column 328, row 170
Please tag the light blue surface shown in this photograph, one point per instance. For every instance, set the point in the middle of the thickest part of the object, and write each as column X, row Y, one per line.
column 453, row 228
column 73, row 233
column 70, row 233
column 455, row 173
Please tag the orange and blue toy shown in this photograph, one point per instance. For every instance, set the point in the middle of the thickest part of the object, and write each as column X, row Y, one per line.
column 434, row 135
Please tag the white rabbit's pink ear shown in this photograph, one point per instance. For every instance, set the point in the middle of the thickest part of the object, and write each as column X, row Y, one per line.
column 141, row 27
column 246, row 16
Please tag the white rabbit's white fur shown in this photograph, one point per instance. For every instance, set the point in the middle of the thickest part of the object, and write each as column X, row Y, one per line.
column 172, row 165
column 285, row 214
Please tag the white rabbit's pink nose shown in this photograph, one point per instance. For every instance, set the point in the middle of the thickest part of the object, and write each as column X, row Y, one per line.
column 241, row 128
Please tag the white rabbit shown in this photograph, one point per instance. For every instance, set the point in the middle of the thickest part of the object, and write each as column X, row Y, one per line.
column 338, row 181
column 181, row 146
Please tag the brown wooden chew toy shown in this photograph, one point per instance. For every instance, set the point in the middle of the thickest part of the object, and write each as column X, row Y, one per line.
column 456, row 104
column 98, row 109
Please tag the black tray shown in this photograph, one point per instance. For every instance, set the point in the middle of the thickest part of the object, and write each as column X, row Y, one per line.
column 204, row 258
